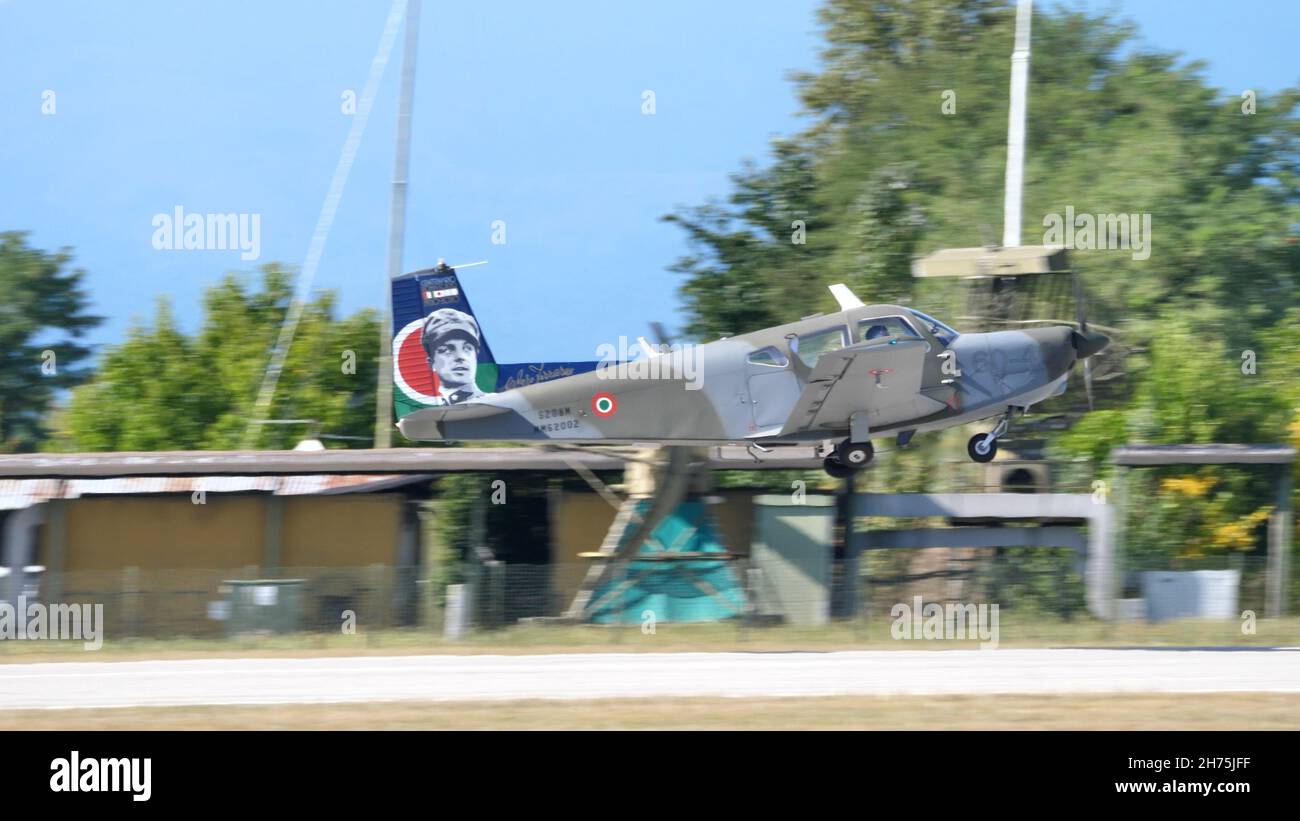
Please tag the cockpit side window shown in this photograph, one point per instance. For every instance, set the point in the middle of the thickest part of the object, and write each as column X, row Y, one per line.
column 810, row 347
column 883, row 327
column 769, row 356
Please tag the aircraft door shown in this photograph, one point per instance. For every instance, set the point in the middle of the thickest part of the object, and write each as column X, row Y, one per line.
column 773, row 387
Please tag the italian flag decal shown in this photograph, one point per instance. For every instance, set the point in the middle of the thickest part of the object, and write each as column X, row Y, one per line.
column 604, row 405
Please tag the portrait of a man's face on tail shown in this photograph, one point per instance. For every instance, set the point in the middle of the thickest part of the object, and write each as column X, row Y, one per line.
column 451, row 340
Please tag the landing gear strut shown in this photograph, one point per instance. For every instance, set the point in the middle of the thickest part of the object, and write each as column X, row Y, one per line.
column 982, row 447
column 848, row 458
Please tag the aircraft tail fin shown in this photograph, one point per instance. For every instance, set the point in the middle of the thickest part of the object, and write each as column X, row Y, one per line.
column 441, row 354
column 431, row 313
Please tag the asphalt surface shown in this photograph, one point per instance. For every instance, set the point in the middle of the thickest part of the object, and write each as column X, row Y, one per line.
column 642, row 675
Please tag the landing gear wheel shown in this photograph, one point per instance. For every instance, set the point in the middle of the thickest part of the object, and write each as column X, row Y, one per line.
column 982, row 447
column 856, row 455
column 836, row 469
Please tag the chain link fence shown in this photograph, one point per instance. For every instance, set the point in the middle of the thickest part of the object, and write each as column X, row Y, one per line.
column 1028, row 586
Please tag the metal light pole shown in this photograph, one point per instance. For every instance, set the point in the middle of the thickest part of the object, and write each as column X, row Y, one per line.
column 1016, row 126
column 396, row 230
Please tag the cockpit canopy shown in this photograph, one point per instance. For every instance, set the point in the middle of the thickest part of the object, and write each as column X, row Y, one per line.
column 944, row 333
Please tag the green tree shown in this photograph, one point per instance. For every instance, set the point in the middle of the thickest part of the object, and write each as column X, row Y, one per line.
column 886, row 171
column 905, row 154
column 164, row 390
column 42, row 313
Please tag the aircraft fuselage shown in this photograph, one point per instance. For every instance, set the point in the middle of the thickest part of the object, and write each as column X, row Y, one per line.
column 745, row 388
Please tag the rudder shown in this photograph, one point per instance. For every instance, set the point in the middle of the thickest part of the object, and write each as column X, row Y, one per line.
column 441, row 355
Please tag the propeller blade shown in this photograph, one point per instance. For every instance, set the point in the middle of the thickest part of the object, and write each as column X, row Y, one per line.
column 660, row 333
column 1087, row 380
column 1080, row 305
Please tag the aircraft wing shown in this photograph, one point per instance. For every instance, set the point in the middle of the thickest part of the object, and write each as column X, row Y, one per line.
column 423, row 424
column 882, row 379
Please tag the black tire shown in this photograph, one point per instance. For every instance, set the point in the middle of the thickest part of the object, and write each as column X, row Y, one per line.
column 974, row 446
column 854, row 455
column 835, row 469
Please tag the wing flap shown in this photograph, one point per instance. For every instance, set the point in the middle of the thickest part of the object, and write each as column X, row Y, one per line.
column 881, row 378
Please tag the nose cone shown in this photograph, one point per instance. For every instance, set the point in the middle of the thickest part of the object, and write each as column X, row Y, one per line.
column 1087, row 344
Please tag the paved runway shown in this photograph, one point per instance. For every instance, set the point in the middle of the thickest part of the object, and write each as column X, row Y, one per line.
column 663, row 675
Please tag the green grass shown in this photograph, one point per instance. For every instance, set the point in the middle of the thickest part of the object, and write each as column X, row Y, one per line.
column 1129, row 711
column 1015, row 631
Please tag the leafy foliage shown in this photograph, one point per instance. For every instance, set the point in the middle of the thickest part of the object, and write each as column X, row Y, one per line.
column 883, row 174
column 163, row 390
column 905, row 154
column 42, row 314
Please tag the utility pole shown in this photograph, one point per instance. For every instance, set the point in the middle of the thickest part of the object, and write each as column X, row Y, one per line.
column 396, row 230
column 1016, row 126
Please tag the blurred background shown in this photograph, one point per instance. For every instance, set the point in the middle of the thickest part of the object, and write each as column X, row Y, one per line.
column 646, row 164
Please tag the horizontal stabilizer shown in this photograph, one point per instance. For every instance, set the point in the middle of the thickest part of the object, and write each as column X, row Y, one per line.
column 424, row 424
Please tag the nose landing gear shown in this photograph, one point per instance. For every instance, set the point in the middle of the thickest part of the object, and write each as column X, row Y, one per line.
column 982, row 447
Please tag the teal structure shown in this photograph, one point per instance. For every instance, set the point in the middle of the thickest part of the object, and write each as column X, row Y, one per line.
column 687, row 590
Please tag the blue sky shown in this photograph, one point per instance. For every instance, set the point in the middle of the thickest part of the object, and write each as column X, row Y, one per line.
column 525, row 112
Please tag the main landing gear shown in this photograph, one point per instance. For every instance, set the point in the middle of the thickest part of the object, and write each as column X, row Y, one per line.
column 848, row 458
column 982, row 447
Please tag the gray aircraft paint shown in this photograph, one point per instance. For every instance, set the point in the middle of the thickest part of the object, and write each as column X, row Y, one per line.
column 898, row 382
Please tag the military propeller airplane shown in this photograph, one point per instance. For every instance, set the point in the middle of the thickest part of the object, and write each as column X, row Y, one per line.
column 836, row 381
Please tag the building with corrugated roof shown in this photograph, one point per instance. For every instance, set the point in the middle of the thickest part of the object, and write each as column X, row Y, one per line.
column 141, row 542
